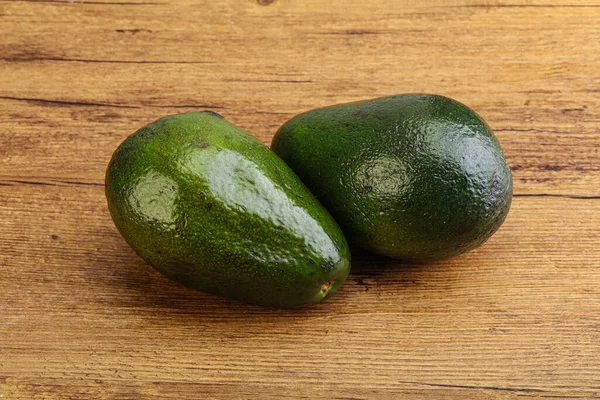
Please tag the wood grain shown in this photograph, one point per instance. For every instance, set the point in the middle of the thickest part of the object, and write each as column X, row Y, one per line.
column 81, row 316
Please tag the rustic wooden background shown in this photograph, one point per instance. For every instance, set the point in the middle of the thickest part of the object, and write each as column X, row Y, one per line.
column 81, row 316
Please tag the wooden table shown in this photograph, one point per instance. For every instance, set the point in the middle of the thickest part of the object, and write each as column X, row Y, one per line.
column 81, row 316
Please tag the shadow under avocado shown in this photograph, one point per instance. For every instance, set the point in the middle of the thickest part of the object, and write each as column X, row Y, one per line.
column 130, row 285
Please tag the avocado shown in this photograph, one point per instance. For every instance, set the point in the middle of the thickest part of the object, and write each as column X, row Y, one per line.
column 416, row 177
column 209, row 206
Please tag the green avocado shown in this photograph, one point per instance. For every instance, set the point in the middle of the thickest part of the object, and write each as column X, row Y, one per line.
column 416, row 177
column 209, row 206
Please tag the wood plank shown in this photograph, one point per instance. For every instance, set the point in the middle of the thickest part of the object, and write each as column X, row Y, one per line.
column 81, row 316
column 79, row 306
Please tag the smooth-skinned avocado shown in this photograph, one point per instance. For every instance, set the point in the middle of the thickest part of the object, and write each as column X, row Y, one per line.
column 416, row 177
column 211, row 207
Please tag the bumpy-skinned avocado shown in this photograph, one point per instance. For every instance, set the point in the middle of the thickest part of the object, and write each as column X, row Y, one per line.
column 416, row 177
column 211, row 207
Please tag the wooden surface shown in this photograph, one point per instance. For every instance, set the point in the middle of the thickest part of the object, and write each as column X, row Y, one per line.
column 81, row 316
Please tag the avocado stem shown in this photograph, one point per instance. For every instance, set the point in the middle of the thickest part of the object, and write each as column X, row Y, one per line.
column 325, row 287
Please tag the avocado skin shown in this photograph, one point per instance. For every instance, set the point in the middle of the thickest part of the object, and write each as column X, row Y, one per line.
column 209, row 206
column 416, row 177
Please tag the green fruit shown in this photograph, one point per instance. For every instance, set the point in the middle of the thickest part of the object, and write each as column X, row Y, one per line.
column 415, row 177
column 211, row 207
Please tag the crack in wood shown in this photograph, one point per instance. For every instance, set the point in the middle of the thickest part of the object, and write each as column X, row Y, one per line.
column 84, row 2
column 83, row 183
column 92, row 104
column 354, row 32
column 473, row 387
column 593, row 396
column 31, row 183
column 83, row 60
column 270, row 80
column 65, row 102
column 12, row 182
column 568, row 196
column 523, row 6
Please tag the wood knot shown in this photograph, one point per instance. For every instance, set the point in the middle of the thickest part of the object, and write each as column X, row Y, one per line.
column 265, row 2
